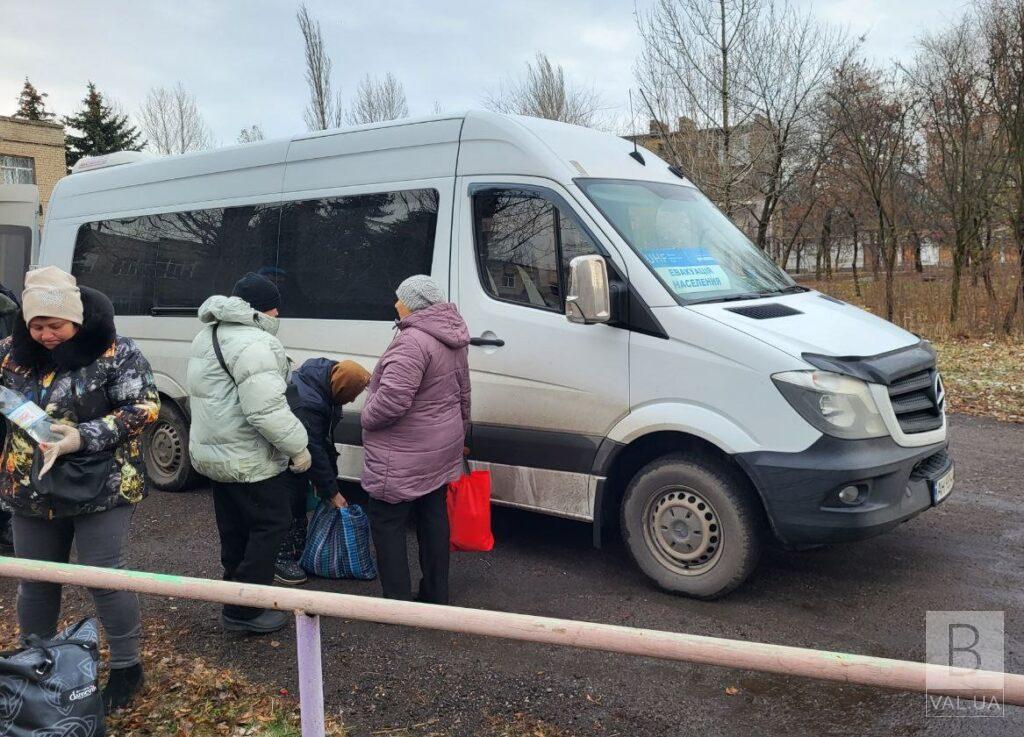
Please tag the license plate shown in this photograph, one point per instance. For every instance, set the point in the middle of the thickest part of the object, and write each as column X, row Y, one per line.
column 942, row 486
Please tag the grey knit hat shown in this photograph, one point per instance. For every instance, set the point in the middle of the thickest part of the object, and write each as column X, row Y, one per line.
column 419, row 292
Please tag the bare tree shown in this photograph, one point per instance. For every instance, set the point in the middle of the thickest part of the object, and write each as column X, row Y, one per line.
column 790, row 58
column 378, row 100
column 809, row 192
column 324, row 110
column 965, row 152
column 875, row 118
column 1003, row 29
column 171, row 120
column 251, row 134
column 543, row 92
column 693, row 68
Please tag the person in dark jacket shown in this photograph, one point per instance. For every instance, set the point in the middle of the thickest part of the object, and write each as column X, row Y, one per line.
column 10, row 306
column 319, row 389
column 98, row 390
column 414, row 427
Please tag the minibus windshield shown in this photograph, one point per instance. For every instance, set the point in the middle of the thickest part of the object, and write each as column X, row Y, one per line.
column 693, row 248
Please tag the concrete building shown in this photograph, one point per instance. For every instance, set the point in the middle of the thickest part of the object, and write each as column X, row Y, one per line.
column 32, row 152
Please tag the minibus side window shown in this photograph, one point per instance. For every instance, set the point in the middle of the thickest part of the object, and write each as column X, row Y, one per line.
column 118, row 257
column 524, row 244
column 175, row 259
column 341, row 258
column 202, row 252
column 338, row 258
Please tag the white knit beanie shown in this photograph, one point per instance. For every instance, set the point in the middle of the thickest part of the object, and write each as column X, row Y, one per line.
column 51, row 292
column 419, row 292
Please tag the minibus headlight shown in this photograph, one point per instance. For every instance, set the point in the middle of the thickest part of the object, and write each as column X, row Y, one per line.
column 835, row 404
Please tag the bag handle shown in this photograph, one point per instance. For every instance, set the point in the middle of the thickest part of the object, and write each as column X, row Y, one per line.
column 27, row 670
column 220, row 354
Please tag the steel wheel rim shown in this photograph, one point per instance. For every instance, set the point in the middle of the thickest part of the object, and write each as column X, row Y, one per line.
column 683, row 530
column 165, row 449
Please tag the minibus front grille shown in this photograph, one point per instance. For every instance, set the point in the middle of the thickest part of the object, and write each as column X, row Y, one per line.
column 917, row 401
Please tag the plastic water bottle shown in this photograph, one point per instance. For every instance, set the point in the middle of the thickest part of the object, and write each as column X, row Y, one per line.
column 27, row 415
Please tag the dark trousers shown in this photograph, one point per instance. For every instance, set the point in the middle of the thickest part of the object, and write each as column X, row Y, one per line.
column 252, row 520
column 6, row 535
column 294, row 541
column 388, row 525
column 100, row 539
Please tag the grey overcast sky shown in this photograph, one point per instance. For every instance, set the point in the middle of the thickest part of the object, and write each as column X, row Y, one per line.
column 243, row 59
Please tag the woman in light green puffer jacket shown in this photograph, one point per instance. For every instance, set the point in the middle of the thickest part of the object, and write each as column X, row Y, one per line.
column 246, row 434
column 245, row 438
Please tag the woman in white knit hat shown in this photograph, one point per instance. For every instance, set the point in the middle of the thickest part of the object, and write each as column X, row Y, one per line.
column 98, row 390
column 414, row 428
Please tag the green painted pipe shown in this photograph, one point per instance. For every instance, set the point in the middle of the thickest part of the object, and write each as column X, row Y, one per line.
column 887, row 673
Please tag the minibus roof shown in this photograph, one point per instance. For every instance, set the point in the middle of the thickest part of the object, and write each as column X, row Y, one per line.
column 488, row 144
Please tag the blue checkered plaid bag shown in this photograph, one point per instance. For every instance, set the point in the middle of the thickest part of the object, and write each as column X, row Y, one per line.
column 338, row 544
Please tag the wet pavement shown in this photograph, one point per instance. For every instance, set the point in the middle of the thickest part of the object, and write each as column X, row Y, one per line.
column 868, row 598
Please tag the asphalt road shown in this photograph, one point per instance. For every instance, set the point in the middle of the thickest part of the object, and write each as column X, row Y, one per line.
column 867, row 598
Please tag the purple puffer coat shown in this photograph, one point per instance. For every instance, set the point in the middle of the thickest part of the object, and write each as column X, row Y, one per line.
column 416, row 416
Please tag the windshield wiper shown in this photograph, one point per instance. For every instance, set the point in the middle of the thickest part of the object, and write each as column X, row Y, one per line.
column 793, row 289
column 727, row 298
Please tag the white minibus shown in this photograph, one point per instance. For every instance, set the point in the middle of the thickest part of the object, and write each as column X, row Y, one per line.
column 636, row 362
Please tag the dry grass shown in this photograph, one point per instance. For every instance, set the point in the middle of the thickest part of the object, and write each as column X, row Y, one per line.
column 984, row 378
column 923, row 301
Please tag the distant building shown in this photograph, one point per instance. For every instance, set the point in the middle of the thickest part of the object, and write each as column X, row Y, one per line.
column 32, row 152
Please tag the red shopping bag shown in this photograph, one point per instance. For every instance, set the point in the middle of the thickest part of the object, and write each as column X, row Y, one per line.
column 469, row 511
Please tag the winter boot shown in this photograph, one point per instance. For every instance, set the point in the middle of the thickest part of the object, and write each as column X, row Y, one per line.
column 270, row 620
column 288, row 573
column 122, row 685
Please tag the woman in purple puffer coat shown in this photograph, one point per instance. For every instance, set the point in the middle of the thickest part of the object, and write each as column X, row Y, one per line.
column 414, row 428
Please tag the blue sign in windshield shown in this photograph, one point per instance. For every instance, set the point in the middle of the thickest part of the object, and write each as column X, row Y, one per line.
column 688, row 269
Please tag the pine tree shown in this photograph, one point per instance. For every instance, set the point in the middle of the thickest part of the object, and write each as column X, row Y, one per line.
column 32, row 103
column 103, row 131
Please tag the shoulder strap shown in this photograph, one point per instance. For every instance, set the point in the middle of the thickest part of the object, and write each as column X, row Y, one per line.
column 220, row 354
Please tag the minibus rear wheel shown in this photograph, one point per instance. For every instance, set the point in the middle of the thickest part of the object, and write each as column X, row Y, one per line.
column 691, row 526
column 165, row 447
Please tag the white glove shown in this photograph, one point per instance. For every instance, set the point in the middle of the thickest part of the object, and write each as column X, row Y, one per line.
column 301, row 461
column 70, row 442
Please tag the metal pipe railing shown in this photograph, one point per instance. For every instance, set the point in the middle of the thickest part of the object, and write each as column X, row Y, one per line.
column 865, row 670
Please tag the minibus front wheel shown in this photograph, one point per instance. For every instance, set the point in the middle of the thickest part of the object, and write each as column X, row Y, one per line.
column 165, row 446
column 691, row 526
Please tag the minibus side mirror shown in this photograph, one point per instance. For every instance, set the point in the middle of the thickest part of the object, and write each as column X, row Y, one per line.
column 589, row 299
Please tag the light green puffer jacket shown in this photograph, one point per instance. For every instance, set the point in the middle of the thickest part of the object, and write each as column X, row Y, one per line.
column 242, row 430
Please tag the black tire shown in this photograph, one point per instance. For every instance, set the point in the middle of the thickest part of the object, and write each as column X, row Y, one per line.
column 692, row 527
column 165, row 447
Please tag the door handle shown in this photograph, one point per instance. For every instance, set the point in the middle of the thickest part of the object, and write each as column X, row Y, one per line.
column 496, row 342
